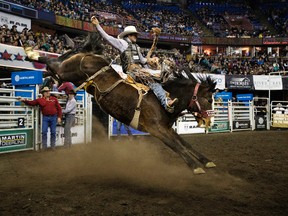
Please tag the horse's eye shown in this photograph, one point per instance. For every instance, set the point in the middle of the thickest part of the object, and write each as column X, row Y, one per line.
column 210, row 100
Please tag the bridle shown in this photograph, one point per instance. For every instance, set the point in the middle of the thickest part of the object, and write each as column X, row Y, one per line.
column 194, row 100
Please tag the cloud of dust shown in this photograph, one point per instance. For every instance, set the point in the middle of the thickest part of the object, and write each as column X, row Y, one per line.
column 144, row 162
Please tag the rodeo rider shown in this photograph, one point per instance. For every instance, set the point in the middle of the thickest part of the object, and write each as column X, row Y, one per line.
column 131, row 58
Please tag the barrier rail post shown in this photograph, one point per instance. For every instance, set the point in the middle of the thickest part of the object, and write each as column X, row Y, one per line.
column 279, row 114
column 16, row 122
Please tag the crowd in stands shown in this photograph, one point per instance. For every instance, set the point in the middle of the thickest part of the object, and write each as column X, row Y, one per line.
column 219, row 64
column 235, row 65
column 278, row 16
column 170, row 18
column 216, row 17
column 38, row 40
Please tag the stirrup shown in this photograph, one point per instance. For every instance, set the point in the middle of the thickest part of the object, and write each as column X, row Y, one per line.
column 169, row 109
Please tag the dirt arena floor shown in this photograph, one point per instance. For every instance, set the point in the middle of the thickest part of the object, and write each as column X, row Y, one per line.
column 143, row 177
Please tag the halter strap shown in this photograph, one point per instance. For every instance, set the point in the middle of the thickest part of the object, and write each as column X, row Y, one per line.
column 194, row 98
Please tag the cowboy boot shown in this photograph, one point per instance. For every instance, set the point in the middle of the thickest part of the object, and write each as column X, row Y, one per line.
column 170, row 104
column 31, row 54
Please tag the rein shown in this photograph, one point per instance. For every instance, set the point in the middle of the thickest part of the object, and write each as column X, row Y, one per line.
column 89, row 81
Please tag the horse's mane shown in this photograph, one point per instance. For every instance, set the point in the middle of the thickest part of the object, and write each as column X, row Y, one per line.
column 184, row 75
column 90, row 44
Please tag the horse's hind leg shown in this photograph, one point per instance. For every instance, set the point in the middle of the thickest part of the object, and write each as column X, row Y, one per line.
column 168, row 137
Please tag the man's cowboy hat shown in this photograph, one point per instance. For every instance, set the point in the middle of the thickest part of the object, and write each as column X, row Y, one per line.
column 72, row 92
column 45, row 89
column 128, row 30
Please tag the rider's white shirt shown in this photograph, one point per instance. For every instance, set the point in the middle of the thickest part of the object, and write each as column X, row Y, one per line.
column 119, row 70
column 119, row 44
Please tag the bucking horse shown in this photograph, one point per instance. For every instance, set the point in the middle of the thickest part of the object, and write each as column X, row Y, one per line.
column 86, row 67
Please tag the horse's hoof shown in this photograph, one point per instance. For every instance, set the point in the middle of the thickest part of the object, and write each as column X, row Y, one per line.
column 31, row 54
column 210, row 165
column 198, row 171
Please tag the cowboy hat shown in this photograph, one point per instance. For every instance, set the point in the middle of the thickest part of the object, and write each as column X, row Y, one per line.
column 72, row 92
column 128, row 30
column 45, row 89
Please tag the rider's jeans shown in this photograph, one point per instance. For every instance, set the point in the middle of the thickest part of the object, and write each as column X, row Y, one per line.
column 157, row 89
column 159, row 92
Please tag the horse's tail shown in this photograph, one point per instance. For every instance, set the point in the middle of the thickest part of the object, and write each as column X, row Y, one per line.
column 90, row 44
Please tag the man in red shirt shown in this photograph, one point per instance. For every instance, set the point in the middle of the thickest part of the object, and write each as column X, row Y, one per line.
column 51, row 113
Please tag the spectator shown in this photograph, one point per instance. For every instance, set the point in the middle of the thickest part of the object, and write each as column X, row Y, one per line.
column 67, row 87
column 50, row 109
column 286, row 110
column 69, row 111
column 279, row 109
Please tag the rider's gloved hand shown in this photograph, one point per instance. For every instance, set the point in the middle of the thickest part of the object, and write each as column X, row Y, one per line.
column 94, row 20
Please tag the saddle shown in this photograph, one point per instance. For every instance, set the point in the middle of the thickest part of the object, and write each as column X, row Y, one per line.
column 139, row 86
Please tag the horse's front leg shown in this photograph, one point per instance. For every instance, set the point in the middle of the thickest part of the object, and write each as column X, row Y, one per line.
column 200, row 157
column 168, row 137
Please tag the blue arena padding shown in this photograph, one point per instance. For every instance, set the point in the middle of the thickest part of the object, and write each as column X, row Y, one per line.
column 245, row 98
column 123, row 130
column 225, row 96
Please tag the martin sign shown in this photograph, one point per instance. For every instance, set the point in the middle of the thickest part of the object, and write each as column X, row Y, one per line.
column 11, row 140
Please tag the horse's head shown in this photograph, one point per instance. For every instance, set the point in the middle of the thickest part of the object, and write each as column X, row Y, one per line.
column 201, row 101
column 195, row 94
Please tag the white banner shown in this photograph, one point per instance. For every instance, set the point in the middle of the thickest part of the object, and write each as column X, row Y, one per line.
column 10, row 20
column 77, row 134
column 264, row 82
column 14, row 57
column 189, row 127
column 220, row 79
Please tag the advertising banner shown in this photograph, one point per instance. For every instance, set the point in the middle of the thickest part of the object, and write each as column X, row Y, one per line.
column 275, row 41
column 77, row 134
column 220, row 126
column 15, row 140
column 26, row 77
column 189, row 127
column 225, row 96
column 241, row 124
column 244, row 97
column 280, row 120
column 261, row 82
column 64, row 21
column 239, row 82
column 260, row 122
column 45, row 15
column 13, row 56
column 187, row 124
column 220, row 80
column 11, row 19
